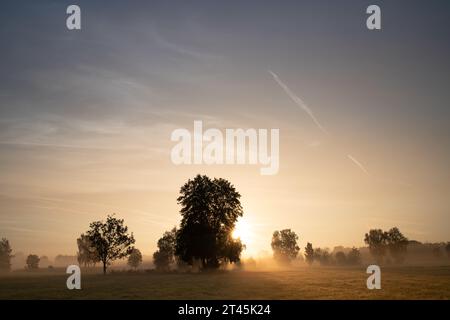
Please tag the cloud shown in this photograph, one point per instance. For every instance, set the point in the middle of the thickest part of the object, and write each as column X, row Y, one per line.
column 182, row 49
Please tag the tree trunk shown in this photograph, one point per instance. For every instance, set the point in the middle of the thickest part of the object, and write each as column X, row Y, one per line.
column 104, row 268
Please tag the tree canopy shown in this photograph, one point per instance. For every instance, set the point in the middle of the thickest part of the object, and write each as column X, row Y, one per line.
column 87, row 253
column 376, row 240
column 135, row 258
column 284, row 245
column 309, row 253
column 209, row 210
column 110, row 239
column 397, row 244
column 165, row 255
column 381, row 242
column 32, row 262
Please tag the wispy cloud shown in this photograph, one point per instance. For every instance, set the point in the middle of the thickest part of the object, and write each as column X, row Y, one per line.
column 183, row 49
column 63, row 146
column 297, row 100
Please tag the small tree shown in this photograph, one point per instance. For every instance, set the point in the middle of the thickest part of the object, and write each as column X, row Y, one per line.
column 165, row 255
column 111, row 240
column 323, row 256
column 309, row 253
column 397, row 244
column 284, row 245
column 87, row 254
column 135, row 259
column 376, row 240
column 340, row 257
column 32, row 262
column 5, row 255
column 354, row 257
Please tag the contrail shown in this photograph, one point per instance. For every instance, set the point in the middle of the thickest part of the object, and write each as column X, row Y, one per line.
column 305, row 108
column 359, row 164
column 298, row 101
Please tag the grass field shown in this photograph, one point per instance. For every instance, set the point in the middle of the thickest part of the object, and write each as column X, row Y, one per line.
column 303, row 283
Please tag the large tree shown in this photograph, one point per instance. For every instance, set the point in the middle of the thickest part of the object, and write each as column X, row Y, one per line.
column 397, row 244
column 87, row 253
column 110, row 239
column 164, row 257
column 284, row 245
column 209, row 210
column 5, row 255
column 376, row 239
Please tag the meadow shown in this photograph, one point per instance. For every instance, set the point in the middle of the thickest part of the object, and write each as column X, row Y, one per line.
column 431, row 282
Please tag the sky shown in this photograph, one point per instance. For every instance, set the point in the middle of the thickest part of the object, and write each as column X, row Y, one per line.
column 86, row 116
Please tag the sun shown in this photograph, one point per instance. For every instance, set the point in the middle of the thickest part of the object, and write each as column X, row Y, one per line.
column 242, row 230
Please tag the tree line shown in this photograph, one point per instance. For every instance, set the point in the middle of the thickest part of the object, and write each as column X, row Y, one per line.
column 285, row 249
column 209, row 211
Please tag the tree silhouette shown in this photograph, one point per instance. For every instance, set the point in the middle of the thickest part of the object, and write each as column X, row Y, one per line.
column 354, row 257
column 209, row 210
column 393, row 241
column 376, row 240
column 230, row 249
column 87, row 254
column 135, row 258
column 341, row 258
column 111, row 240
column 323, row 256
column 32, row 262
column 165, row 255
column 5, row 255
column 284, row 245
column 397, row 244
column 309, row 253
